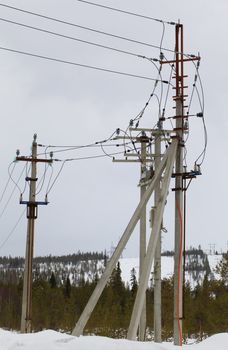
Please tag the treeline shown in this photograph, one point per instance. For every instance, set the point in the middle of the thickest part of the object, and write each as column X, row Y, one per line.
column 18, row 262
column 58, row 306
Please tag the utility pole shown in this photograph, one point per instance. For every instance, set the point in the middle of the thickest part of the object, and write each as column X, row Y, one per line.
column 179, row 175
column 167, row 165
column 159, row 183
column 157, row 259
column 142, row 245
column 178, row 255
column 26, row 315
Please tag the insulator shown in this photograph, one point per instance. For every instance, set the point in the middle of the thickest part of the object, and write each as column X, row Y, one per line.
column 131, row 122
column 117, row 131
column 186, row 124
column 17, row 152
column 199, row 115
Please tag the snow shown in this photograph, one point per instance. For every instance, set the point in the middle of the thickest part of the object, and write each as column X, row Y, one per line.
column 51, row 340
column 127, row 264
column 167, row 267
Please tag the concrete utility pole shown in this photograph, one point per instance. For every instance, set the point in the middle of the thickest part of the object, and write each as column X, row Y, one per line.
column 142, row 245
column 165, row 163
column 26, row 315
column 143, row 284
column 157, row 259
column 179, row 175
column 32, row 204
column 178, row 255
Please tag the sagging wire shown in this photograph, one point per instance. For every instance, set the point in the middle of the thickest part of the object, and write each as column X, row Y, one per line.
column 13, row 229
column 73, row 38
column 55, row 179
column 8, row 181
column 14, row 188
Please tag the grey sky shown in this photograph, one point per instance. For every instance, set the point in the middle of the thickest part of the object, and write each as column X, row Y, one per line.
column 93, row 200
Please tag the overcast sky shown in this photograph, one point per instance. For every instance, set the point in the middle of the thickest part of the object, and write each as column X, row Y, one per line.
column 92, row 200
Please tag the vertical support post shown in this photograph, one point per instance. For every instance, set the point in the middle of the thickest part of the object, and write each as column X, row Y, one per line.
column 149, row 258
column 142, row 243
column 78, row 330
column 178, row 256
column 157, row 259
column 26, row 315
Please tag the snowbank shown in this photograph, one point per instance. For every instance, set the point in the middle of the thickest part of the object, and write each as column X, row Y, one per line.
column 51, row 340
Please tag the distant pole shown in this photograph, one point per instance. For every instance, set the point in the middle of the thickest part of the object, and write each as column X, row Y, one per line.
column 26, row 316
column 32, row 204
column 142, row 245
column 157, row 259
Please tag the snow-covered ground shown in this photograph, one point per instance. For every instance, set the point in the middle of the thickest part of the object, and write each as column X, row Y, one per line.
column 51, row 340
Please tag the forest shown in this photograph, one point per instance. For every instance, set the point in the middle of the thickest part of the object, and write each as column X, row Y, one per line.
column 57, row 304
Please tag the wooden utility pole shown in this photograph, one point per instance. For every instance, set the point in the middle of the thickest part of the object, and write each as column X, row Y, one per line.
column 26, row 315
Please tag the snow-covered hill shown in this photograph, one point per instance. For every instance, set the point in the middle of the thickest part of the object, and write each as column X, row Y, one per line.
column 197, row 265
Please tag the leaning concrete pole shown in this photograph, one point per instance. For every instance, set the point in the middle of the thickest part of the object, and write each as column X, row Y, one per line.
column 78, row 330
column 143, row 284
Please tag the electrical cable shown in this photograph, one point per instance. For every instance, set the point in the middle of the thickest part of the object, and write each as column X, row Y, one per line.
column 12, row 192
column 91, row 29
column 73, row 38
column 79, row 64
column 85, row 158
column 126, row 12
column 26, row 175
column 55, row 179
column 80, row 26
column 50, row 178
column 13, row 229
column 15, row 183
column 8, row 181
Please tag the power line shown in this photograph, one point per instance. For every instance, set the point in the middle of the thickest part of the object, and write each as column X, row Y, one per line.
column 73, row 38
column 13, row 229
column 80, row 64
column 8, row 181
column 57, row 20
column 125, row 12
column 14, row 188
column 86, row 158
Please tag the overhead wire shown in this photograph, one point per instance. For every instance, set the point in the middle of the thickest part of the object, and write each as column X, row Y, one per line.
column 73, row 38
column 79, row 64
column 89, row 28
column 8, row 181
column 126, row 12
column 12, row 192
column 12, row 230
